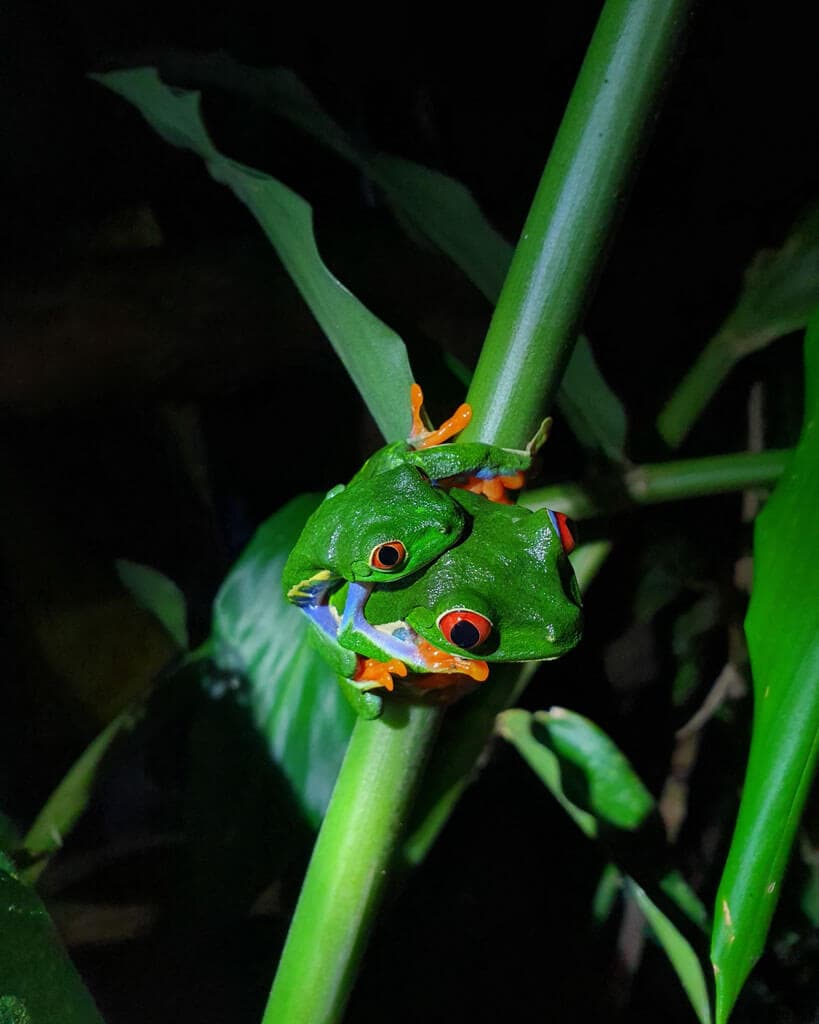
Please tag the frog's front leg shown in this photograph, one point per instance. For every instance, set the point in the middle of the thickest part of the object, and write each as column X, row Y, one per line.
column 401, row 644
column 310, row 596
column 356, row 632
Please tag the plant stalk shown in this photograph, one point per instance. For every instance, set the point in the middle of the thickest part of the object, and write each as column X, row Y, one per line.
column 350, row 864
column 695, row 390
column 564, row 241
column 664, row 481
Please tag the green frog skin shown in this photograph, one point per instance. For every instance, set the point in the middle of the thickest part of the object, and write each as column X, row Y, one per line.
column 505, row 593
column 394, row 517
column 380, row 527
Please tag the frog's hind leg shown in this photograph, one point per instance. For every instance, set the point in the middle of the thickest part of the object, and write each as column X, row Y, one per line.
column 421, row 437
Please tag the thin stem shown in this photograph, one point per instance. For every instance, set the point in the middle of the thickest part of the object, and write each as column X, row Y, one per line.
column 350, row 863
column 664, row 481
column 695, row 390
column 564, row 240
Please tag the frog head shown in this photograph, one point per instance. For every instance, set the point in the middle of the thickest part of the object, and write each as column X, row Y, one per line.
column 389, row 526
column 506, row 592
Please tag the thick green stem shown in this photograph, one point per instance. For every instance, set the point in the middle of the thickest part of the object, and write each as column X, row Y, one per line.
column 664, row 481
column 563, row 243
column 350, row 864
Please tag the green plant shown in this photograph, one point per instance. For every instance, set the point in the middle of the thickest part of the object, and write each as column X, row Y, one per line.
column 411, row 755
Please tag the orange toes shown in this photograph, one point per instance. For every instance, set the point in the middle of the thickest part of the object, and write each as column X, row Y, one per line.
column 380, row 673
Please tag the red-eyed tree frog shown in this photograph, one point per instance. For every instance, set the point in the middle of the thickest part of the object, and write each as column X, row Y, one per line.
column 395, row 517
column 505, row 593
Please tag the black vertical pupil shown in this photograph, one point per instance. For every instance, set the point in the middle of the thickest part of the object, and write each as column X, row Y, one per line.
column 389, row 555
column 464, row 634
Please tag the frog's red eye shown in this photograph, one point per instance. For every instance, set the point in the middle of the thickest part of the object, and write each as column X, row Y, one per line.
column 389, row 557
column 464, row 628
column 561, row 524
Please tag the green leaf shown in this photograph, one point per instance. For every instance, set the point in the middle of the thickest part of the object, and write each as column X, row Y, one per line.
column 259, row 635
column 241, row 818
column 373, row 354
column 159, row 595
column 780, row 290
column 594, row 782
column 431, row 207
column 445, row 212
column 678, row 950
column 69, row 800
column 38, row 983
column 607, row 785
column 428, row 204
column 593, row 411
column 782, row 627
column 607, row 891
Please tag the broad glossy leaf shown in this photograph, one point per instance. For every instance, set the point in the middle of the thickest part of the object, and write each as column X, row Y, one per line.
column 782, row 627
column 611, row 790
column 596, row 785
column 38, row 983
column 257, row 634
column 373, row 354
column 242, row 820
column 780, row 290
column 431, row 207
column 157, row 594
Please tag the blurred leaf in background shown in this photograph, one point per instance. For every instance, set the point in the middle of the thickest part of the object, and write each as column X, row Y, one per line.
column 38, row 983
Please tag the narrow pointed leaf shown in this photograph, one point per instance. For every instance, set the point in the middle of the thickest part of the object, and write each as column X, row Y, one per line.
column 679, row 952
column 429, row 206
column 159, row 595
column 295, row 699
column 71, row 796
column 595, row 784
column 373, row 354
column 780, row 290
column 783, row 640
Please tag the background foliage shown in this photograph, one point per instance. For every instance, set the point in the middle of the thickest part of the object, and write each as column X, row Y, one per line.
column 164, row 390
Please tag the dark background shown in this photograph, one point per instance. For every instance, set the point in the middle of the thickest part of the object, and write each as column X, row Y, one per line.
column 163, row 389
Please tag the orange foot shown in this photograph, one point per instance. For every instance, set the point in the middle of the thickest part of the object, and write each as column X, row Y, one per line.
column 438, row 661
column 420, row 437
column 496, row 487
column 378, row 673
